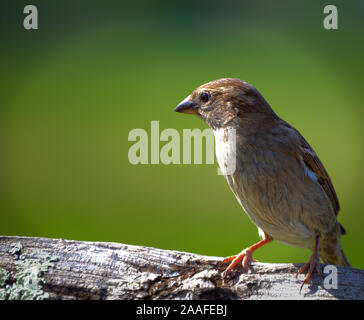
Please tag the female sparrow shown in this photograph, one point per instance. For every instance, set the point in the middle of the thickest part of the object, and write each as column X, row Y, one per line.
column 277, row 177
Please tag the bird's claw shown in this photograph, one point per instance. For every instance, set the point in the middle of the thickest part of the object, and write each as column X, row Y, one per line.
column 244, row 257
column 312, row 265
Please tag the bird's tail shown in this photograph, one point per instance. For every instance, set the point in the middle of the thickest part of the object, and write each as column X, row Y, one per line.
column 339, row 258
column 331, row 252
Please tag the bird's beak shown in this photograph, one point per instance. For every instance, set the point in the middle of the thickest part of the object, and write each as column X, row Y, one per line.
column 187, row 106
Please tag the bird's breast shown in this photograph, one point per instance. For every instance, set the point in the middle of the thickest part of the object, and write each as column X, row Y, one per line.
column 225, row 146
column 274, row 191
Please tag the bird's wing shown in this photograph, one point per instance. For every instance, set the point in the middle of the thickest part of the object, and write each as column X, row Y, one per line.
column 314, row 167
column 313, row 163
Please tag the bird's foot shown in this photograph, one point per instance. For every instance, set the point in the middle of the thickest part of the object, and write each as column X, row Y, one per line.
column 244, row 257
column 309, row 267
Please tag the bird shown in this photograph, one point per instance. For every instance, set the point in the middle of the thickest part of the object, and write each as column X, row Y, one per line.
column 274, row 173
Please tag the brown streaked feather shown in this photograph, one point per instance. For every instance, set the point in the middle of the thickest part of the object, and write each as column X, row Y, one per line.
column 313, row 163
column 310, row 159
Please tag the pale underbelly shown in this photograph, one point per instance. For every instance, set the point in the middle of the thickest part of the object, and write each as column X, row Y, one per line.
column 292, row 233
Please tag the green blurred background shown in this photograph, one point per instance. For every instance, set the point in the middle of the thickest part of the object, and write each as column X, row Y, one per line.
column 72, row 90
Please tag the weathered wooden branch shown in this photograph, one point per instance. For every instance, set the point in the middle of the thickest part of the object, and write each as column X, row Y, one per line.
column 41, row 268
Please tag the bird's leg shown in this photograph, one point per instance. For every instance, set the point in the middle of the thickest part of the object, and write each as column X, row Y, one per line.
column 245, row 256
column 312, row 264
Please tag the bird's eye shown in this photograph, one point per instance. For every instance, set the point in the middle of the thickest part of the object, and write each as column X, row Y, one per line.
column 204, row 96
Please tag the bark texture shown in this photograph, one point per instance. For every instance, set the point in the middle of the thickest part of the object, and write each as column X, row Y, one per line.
column 42, row 268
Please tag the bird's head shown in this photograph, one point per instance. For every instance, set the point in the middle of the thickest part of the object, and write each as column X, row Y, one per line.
column 223, row 101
